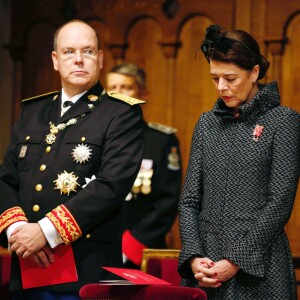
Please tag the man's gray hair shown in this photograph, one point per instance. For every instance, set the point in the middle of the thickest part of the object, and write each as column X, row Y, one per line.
column 132, row 70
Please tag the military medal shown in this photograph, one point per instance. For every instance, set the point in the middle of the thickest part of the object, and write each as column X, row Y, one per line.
column 173, row 159
column 93, row 97
column 51, row 137
column 23, row 152
column 142, row 183
column 66, row 183
column 146, row 189
column 137, row 185
column 81, row 154
column 257, row 132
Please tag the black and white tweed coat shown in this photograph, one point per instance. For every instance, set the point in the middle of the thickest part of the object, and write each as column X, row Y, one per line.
column 239, row 194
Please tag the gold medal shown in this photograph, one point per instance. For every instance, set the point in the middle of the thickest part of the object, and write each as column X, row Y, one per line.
column 136, row 189
column 66, row 183
column 146, row 189
column 146, row 182
column 147, row 173
column 93, row 97
column 50, row 138
column 173, row 159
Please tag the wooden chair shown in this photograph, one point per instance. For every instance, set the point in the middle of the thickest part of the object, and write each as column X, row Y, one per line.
column 161, row 263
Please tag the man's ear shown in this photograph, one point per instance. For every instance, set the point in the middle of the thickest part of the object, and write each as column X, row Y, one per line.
column 100, row 54
column 54, row 60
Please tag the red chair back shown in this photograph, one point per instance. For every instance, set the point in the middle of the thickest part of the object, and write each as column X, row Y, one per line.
column 164, row 268
column 140, row 292
column 162, row 263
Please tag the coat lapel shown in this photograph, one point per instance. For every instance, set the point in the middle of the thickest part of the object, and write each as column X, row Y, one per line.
column 84, row 104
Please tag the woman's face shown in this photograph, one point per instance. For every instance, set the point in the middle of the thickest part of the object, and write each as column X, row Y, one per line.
column 234, row 84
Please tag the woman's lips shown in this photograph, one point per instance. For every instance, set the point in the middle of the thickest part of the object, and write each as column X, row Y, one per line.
column 226, row 98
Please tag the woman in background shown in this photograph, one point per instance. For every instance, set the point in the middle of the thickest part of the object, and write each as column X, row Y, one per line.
column 241, row 180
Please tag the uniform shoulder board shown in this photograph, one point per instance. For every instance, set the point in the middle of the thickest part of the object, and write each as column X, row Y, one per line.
column 130, row 100
column 161, row 127
column 42, row 96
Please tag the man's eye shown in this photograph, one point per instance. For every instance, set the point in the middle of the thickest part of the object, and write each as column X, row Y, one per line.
column 87, row 52
column 69, row 51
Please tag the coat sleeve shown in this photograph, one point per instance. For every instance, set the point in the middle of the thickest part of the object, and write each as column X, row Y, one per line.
column 162, row 205
column 10, row 211
column 190, row 205
column 103, row 196
column 248, row 252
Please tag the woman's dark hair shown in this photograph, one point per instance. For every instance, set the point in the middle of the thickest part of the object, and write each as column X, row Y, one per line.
column 235, row 46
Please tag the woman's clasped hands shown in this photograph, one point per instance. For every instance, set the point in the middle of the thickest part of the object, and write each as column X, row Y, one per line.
column 212, row 274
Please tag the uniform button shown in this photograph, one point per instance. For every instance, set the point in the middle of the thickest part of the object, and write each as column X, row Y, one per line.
column 83, row 139
column 88, row 236
column 38, row 187
column 48, row 149
column 27, row 138
column 35, row 208
column 42, row 168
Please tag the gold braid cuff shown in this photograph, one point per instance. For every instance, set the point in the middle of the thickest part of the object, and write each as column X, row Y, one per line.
column 65, row 224
column 10, row 216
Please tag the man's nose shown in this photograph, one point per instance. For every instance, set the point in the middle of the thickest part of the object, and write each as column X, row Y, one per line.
column 78, row 56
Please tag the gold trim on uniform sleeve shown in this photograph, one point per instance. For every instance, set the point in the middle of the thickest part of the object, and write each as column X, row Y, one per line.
column 10, row 216
column 65, row 224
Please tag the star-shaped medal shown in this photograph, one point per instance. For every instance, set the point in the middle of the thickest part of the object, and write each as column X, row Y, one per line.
column 81, row 153
column 66, row 183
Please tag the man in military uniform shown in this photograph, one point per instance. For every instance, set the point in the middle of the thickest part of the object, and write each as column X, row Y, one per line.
column 73, row 158
column 151, row 207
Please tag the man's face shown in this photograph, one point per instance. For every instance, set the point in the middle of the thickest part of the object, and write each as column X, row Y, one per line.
column 123, row 84
column 77, row 58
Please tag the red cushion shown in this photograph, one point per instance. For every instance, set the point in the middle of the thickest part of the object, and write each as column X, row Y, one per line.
column 138, row 292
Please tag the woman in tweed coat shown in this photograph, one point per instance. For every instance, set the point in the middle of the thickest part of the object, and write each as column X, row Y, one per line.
column 241, row 180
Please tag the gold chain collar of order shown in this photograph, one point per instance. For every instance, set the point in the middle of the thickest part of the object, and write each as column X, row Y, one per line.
column 54, row 129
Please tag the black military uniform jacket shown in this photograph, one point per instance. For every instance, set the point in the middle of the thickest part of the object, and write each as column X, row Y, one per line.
column 151, row 207
column 98, row 141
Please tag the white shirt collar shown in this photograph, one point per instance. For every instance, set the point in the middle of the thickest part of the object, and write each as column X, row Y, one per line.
column 65, row 98
column 73, row 99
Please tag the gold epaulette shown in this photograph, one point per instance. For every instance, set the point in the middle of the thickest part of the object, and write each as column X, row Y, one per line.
column 41, row 96
column 161, row 127
column 124, row 98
